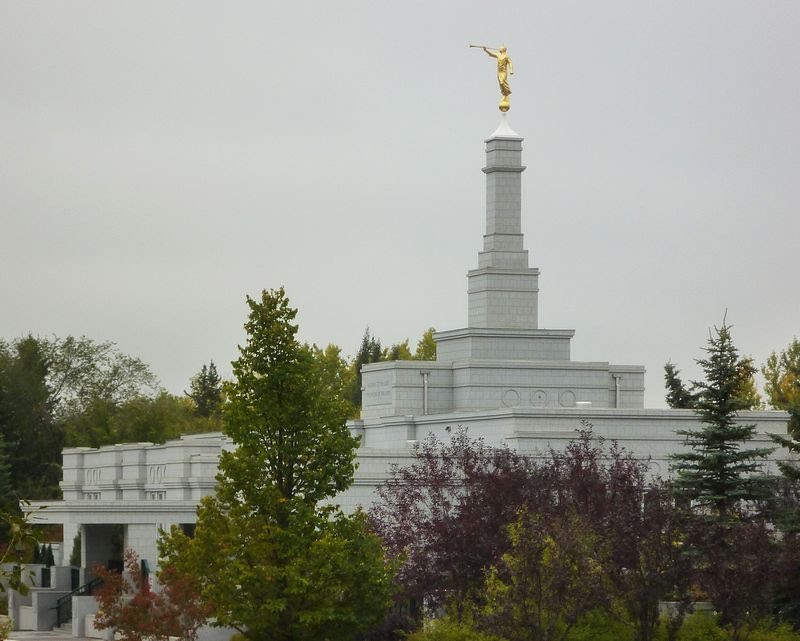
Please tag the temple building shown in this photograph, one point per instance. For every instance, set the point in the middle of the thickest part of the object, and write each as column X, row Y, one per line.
column 502, row 378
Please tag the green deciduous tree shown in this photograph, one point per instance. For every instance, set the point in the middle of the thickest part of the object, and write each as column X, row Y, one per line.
column 746, row 388
column 398, row 352
column 719, row 471
column 61, row 391
column 551, row 577
column 426, row 346
column 83, row 371
column 270, row 553
column 143, row 419
column 22, row 537
column 782, row 383
column 337, row 373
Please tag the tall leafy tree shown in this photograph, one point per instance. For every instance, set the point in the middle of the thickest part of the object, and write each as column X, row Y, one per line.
column 426, row 346
column 782, row 383
column 83, row 371
column 747, row 389
column 552, row 575
column 62, row 391
column 446, row 515
column 738, row 568
column 782, row 375
column 272, row 555
column 398, row 352
column 719, row 471
column 142, row 419
column 443, row 515
column 206, row 390
column 337, row 373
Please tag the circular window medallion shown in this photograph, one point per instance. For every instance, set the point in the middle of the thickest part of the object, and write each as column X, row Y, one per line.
column 539, row 398
column 567, row 398
column 511, row 398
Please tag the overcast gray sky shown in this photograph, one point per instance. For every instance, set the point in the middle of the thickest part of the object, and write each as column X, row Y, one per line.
column 161, row 160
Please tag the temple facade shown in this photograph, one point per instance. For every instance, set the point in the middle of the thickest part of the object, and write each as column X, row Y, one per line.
column 502, row 378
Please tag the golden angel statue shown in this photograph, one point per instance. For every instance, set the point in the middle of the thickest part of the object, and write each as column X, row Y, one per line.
column 504, row 69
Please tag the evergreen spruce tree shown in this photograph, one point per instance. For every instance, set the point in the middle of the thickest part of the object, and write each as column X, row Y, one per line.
column 719, row 471
column 75, row 555
column 7, row 499
column 369, row 352
column 678, row 397
column 206, row 390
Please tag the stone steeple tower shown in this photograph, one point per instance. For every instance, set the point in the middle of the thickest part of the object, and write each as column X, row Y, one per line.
column 502, row 360
column 503, row 290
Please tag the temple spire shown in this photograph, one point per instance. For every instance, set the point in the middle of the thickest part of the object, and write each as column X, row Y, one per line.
column 503, row 290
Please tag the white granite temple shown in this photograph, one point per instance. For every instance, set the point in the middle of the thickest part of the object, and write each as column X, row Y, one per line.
column 502, row 359
column 502, row 377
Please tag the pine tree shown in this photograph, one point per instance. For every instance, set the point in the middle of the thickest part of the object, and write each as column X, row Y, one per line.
column 719, row 472
column 369, row 352
column 75, row 555
column 7, row 499
column 206, row 390
column 790, row 470
column 678, row 397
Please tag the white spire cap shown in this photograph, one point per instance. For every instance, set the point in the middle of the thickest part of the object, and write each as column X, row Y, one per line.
column 504, row 130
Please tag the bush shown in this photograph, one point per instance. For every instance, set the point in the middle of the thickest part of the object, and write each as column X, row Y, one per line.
column 702, row 626
column 445, row 630
column 6, row 626
column 768, row 631
column 600, row 626
column 395, row 626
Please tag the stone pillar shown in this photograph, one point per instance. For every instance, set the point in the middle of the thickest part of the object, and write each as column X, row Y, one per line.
column 503, row 291
column 71, row 529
